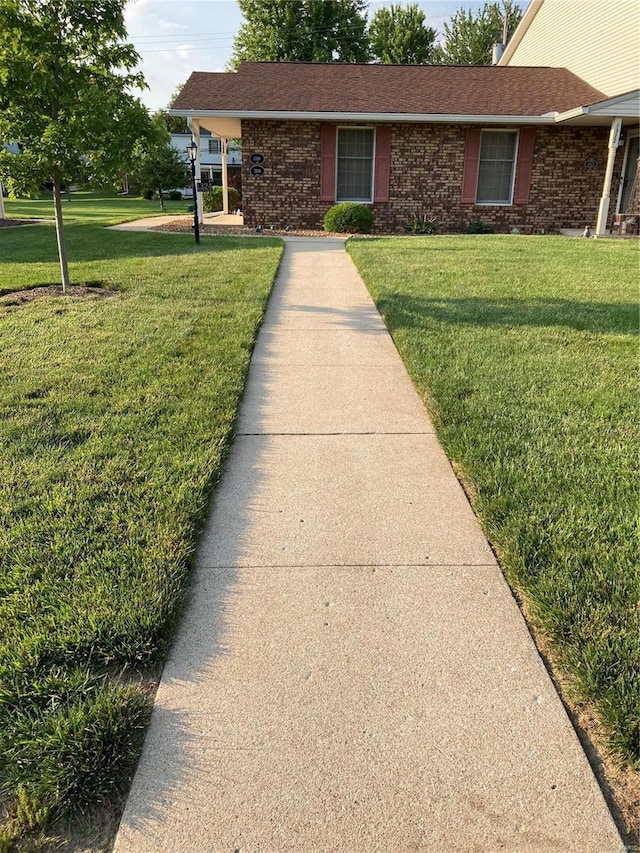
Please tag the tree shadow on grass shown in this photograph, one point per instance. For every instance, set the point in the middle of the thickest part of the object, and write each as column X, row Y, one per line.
column 412, row 312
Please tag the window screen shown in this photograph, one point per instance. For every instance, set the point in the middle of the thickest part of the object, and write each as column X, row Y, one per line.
column 355, row 164
column 495, row 173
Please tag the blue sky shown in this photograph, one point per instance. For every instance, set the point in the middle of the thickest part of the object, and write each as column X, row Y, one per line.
column 176, row 37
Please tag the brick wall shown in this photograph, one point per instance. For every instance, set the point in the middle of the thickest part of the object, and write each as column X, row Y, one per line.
column 426, row 178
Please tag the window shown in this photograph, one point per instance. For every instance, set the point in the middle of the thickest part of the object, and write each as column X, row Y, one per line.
column 214, row 145
column 496, row 167
column 355, row 164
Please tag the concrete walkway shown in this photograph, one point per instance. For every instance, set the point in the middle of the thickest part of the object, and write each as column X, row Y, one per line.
column 352, row 673
column 151, row 222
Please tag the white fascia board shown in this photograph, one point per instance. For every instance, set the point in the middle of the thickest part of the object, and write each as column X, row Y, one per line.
column 609, row 107
column 425, row 118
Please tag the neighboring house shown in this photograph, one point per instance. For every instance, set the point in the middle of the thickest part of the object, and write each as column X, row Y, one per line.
column 211, row 156
column 511, row 146
column 600, row 42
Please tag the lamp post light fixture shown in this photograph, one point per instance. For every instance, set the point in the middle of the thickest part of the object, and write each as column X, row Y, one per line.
column 192, row 151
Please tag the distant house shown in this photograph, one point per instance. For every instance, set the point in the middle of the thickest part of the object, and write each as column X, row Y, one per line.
column 211, row 157
column 600, row 42
column 523, row 147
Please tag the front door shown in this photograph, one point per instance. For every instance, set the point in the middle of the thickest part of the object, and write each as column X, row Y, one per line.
column 629, row 173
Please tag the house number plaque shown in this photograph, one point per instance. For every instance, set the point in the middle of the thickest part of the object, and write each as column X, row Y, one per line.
column 257, row 171
column 256, row 159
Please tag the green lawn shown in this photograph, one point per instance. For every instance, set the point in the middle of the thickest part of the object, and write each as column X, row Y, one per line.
column 115, row 416
column 525, row 351
column 90, row 206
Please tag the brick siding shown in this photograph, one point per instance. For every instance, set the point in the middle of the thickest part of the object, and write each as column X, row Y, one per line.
column 426, row 178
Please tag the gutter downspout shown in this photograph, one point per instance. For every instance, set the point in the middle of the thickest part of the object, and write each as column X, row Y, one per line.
column 603, row 210
column 225, row 187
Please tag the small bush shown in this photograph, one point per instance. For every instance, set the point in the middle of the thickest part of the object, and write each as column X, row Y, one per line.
column 348, row 217
column 479, row 227
column 212, row 199
column 148, row 194
column 175, row 195
column 421, row 225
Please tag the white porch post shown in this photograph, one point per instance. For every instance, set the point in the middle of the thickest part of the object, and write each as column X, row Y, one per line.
column 603, row 211
column 225, row 187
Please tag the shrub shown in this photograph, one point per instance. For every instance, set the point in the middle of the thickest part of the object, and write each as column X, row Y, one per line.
column 348, row 217
column 479, row 227
column 421, row 225
column 148, row 194
column 212, row 199
column 175, row 195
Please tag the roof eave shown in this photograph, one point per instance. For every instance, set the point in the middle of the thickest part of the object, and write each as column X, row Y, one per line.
column 425, row 118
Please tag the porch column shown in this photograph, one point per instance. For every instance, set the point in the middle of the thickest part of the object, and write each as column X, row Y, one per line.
column 225, row 187
column 603, row 211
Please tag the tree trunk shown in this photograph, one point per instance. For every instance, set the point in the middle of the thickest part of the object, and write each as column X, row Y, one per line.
column 1, row 201
column 160, row 197
column 62, row 249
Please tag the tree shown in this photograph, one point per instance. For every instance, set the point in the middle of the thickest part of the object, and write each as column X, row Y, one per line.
column 302, row 31
column 65, row 81
column 157, row 165
column 469, row 38
column 399, row 35
column 174, row 124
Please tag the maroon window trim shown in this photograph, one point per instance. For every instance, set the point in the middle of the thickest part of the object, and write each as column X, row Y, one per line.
column 524, row 166
column 470, row 170
column 382, row 169
column 328, row 162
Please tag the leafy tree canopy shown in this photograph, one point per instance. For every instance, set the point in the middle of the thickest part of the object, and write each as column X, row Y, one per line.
column 157, row 165
column 66, row 76
column 302, row 31
column 469, row 38
column 175, row 124
column 399, row 35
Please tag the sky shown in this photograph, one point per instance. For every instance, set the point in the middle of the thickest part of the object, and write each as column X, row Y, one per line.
column 176, row 37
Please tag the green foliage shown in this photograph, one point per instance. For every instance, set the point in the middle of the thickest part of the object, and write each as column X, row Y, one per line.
column 65, row 76
column 65, row 81
column 348, row 217
column 148, row 194
column 175, row 124
column 304, row 31
column 526, row 350
column 212, row 199
column 422, row 225
column 469, row 37
column 156, row 164
column 479, row 227
column 175, row 195
column 399, row 35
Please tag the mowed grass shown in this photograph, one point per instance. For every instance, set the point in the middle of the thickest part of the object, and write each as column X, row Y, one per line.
column 526, row 353
column 93, row 207
column 115, row 415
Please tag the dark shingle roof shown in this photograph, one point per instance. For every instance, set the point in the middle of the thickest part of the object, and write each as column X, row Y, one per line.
column 387, row 89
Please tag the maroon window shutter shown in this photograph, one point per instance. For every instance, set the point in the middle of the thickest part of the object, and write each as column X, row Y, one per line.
column 382, row 165
column 526, row 147
column 328, row 162
column 470, row 171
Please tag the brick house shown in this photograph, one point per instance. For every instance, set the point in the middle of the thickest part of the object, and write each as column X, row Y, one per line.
column 524, row 147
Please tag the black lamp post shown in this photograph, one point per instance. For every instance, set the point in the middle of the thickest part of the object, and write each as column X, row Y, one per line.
column 192, row 151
